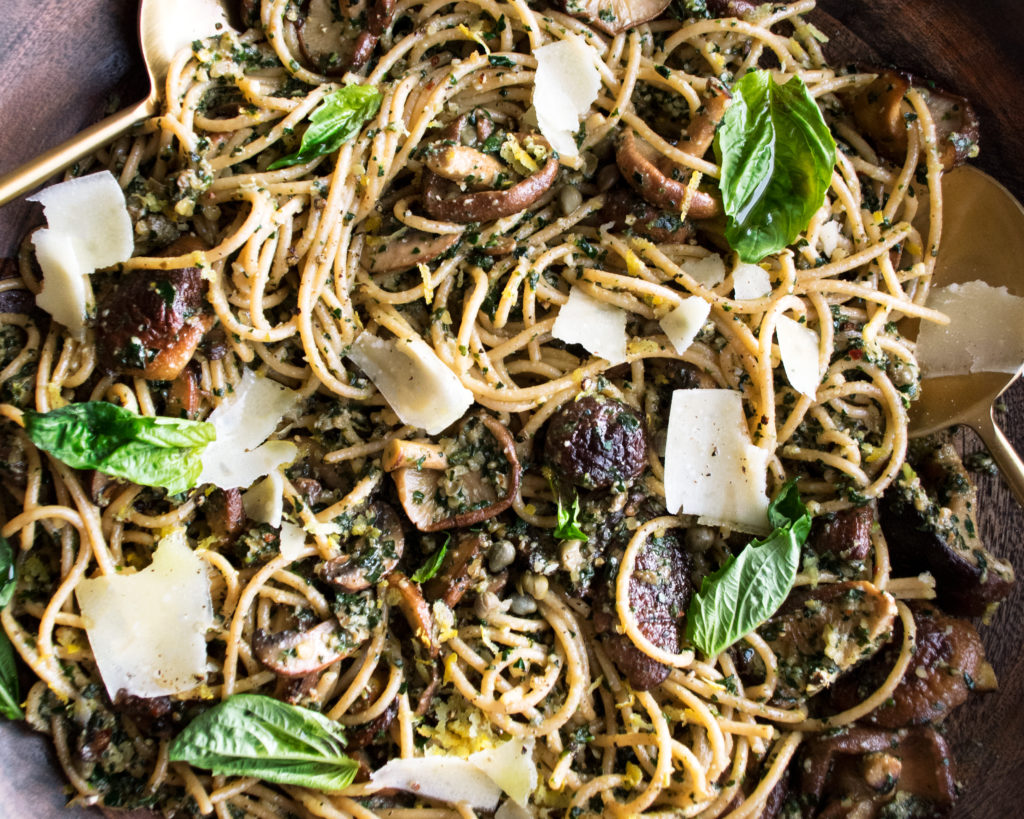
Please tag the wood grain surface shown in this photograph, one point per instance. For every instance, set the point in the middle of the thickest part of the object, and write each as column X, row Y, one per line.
column 62, row 63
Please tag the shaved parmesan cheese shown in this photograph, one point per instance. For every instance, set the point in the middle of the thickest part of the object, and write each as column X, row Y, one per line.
column 417, row 385
column 750, row 281
column 511, row 766
column 829, row 236
column 293, row 540
column 88, row 228
column 243, row 422
column 264, row 502
column 65, row 292
column 709, row 270
column 148, row 630
column 565, row 86
column 682, row 324
column 440, row 777
column 512, row 810
column 798, row 346
column 985, row 333
column 712, row 469
column 600, row 327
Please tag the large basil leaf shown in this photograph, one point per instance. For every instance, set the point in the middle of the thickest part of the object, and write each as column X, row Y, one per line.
column 253, row 735
column 750, row 587
column 9, row 691
column 148, row 451
column 335, row 121
column 777, row 156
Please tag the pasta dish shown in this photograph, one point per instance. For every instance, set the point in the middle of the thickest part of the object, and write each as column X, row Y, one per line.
column 494, row 408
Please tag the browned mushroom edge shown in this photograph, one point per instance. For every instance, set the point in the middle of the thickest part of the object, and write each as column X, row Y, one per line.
column 644, row 175
column 614, row 16
column 309, row 28
column 298, row 653
column 226, row 514
column 406, row 249
column 410, row 601
column 416, row 485
column 372, row 557
column 457, row 570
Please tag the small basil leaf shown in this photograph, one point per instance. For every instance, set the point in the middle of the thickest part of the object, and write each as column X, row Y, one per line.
column 254, row 735
column 147, row 451
column 568, row 526
column 10, row 695
column 335, row 121
column 432, row 564
column 777, row 156
column 750, row 587
column 7, row 577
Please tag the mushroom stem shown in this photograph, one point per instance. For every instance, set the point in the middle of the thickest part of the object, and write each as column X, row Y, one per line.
column 657, row 188
column 415, row 454
column 466, row 166
column 415, row 610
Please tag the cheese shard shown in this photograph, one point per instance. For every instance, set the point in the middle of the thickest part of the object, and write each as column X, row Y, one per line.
column 750, row 281
column 293, row 540
column 600, row 327
column 511, row 809
column 148, row 630
column 798, row 346
column 440, row 777
column 88, row 227
column 712, row 470
column 264, row 501
column 238, row 457
column 565, row 86
column 511, row 766
column 684, row 322
column 708, row 270
column 985, row 333
column 415, row 382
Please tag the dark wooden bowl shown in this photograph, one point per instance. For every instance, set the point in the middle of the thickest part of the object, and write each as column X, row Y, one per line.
column 63, row 63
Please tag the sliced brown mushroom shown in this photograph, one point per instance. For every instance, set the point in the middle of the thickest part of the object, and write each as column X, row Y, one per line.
column 102, row 488
column 414, row 608
column 629, row 212
column 298, row 653
column 378, row 19
column 372, row 556
column 701, row 131
column 639, row 165
column 183, row 395
column 878, row 109
column 408, row 248
column 457, row 571
column 330, row 45
column 928, row 519
column 858, row 770
column 149, row 323
column 477, row 480
column 615, row 16
column 845, row 534
column 485, row 206
column 844, row 623
column 466, row 166
column 731, row 8
column 226, row 514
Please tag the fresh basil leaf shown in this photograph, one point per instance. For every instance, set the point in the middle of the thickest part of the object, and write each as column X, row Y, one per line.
column 777, row 156
column 10, row 695
column 335, row 121
column 7, row 577
column 750, row 587
column 568, row 526
column 148, row 451
column 254, row 735
column 432, row 564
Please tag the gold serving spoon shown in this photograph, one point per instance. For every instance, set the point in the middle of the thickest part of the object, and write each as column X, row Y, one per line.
column 982, row 238
column 165, row 26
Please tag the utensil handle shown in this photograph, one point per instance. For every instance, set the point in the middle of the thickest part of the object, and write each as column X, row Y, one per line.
column 34, row 173
column 1009, row 462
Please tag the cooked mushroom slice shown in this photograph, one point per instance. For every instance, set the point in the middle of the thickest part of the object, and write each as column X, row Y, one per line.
column 701, row 131
column 731, row 8
column 879, row 110
column 473, row 478
column 409, row 599
column 372, row 556
column 948, row 663
column 485, row 206
column 594, row 441
column 859, row 770
column 466, row 166
column 377, row 21
column 149, row 323
column 845, row 534
column 183, row 395
column 659, row 594
column 615, row 16
column 457, row 571
column 225, row 513
column 102, row 488
column 366, row 733
column 298, row 653
column 627, row 211
column 928, row 521
column 408, row 248
column 822, row 632
column 639, row 164
column 329, row 43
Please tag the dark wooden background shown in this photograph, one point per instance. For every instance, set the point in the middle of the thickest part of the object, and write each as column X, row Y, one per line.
column 63, row 62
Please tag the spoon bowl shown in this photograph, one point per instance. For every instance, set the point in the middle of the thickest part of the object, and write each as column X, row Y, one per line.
column 983, row 238
column 165, row 26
